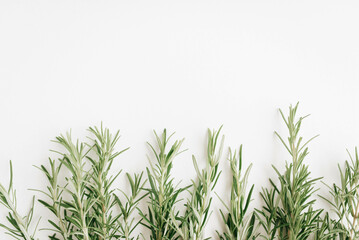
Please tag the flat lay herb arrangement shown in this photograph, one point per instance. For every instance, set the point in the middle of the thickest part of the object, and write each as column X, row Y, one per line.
column 84, row 204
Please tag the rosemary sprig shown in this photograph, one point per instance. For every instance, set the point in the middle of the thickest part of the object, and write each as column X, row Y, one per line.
column 103, row 224
column 126, row 222
column 289, row 209
column 345, row 199
column 54, row 195
column 163, row 194
column 18, row 226
column 193, row 223
column 238, row 225
column 79, row 205
column 328, row 229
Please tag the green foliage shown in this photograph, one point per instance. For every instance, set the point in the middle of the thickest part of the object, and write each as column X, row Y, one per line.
column 85, row 204
column 198, row 211
column 18, row 226
column 86, row 207
column 288, row 212
column 80, row 204
column 238, row 225
column 327, row 229
column 163, row 194
column 54, row 204
column 345, row 199
column 103, row 222
column 126, row 223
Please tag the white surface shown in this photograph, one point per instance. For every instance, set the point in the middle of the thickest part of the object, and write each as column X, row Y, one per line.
column 184, row 65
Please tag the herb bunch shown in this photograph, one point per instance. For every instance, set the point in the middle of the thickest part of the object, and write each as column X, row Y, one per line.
column 86, row 205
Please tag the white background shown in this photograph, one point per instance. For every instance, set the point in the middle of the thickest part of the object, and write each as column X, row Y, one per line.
column 183, row 65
